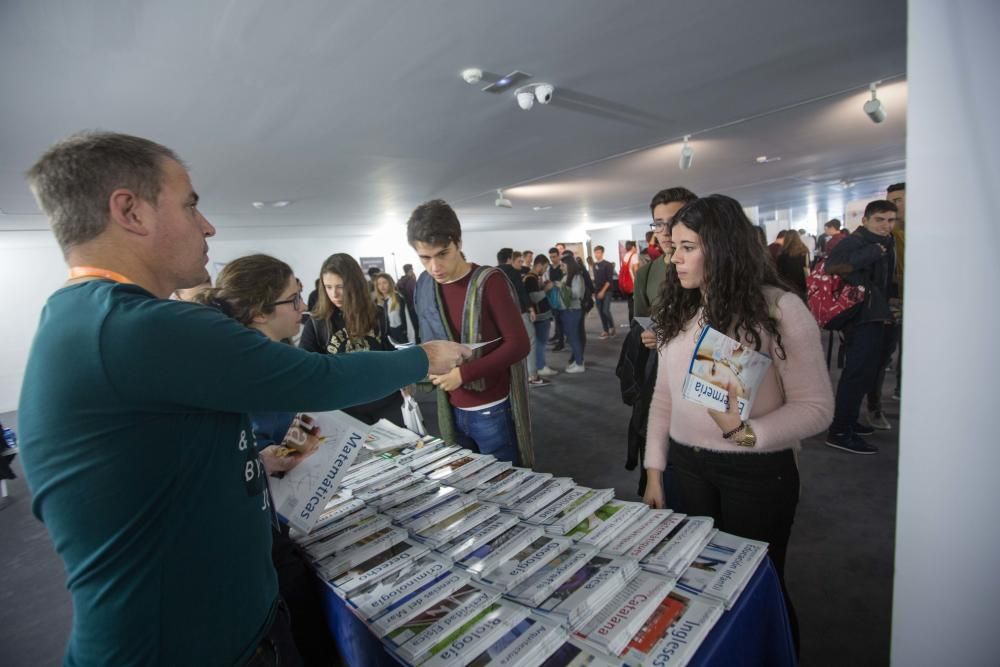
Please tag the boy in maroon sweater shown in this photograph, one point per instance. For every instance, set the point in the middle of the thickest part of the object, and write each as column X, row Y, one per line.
column 482, row 404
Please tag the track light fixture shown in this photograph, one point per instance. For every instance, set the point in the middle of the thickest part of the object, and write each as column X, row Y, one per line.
column 873, row 107
column 687, row 155
column 501, row 201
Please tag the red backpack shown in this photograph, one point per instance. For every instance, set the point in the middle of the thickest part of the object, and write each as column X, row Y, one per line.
column 832, row 301
column 625, row 280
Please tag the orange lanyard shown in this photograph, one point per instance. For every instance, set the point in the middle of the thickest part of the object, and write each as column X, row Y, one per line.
column 94, row 272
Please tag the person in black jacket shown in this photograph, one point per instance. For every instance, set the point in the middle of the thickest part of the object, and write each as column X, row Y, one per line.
column 867, row 257
column 346, row 319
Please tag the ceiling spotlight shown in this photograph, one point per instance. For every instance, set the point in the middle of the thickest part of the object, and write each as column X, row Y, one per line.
column 280, row 203
column 501, row 201
column 543, row 92
column 873, row 107
column 687, row 155
column 472, row 75
column 763, row 159
column 525, row 98
column 540, row 208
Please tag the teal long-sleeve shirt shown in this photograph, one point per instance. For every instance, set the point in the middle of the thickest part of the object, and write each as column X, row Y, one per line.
column 139, row 453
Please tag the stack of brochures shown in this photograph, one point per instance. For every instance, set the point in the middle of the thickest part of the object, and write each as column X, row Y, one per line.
column 587, row 590
column 567, row 512
column 540, row 497
column 528, row 644
column 477, row 536
column 607, row 522
column 514, row 571
column 510, row 479
column 636, row 532
column 455, row 524
column 723, row 568
column 612, row 628
column 576, row 654
column 678, row 549
column 672, row 634
column 463, row 645
column 477, row 479
column 500, row 549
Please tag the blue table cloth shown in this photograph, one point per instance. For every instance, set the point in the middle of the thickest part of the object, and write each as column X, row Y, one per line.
column 754, row 633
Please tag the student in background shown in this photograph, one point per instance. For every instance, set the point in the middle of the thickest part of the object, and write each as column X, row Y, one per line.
column 509, row 262
column 554, row 276
column 538, row 288
column 397, row 309
column 793, row 262
column 347, row 320
column 571, row 291
column 775, row 248
column 740, row 472
column 649, row 279
column 603, row 273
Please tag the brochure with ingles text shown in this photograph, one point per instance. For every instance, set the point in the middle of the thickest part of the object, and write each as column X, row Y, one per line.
column 720, row 363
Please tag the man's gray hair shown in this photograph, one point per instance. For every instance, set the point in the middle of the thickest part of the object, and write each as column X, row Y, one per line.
column 74, row 179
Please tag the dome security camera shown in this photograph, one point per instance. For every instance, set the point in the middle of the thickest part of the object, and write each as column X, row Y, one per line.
column 543, row 93
column 525, row 99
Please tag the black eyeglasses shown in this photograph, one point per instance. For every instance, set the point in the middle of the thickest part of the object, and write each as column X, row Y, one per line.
column 296, row 300
column 658, row 225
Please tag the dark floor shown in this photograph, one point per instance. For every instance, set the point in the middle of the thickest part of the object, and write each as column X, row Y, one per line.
column 840, row 561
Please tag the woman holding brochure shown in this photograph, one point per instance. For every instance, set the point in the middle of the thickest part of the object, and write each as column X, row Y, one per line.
column 741, row 472
column 346, row 319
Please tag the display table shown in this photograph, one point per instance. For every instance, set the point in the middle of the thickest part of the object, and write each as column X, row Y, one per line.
column 755, row 632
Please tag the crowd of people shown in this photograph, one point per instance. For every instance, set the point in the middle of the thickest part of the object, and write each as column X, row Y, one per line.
column 189, row 409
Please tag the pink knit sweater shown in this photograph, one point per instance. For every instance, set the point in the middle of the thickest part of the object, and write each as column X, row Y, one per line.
column 807, row 407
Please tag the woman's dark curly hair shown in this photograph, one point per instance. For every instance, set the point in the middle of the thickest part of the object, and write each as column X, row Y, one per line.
column 736, row 265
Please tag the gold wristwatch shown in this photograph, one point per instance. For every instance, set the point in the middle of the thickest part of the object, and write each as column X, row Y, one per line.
column 747, row 438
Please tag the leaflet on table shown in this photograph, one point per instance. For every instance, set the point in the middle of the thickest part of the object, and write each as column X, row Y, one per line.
column 347, row 536
column 374, row 493
column 536, row 588
column 302, row 493
column 413, row 506
column 508, row 479
column 512, row 490
column 527, row 644
column 499, row 549
column 723, row 568
column 416, row 602
column 470, row 516
column 546, row 514
column 433, row 515
column 373, row 599
column 336, row 510
column 324, row 530
column 607, row 522
column 461, row 473
column 720, row 363
column 372, row 477
column 573, row 654
column 674, row 631
column 547, row 493
column 384, row 436
column 369, row 469
column 476, row 481
column 613, row 626
column 632, row 535
column 511, row 573
column 416, row 637
column 463, row 645
column 420, row 458
column 472, row 539
column 578, row 510
column 681, row 546
column 379, row 566
column 655, row 536
column 405, row 493
column 589, row 589
column 334, row 566
column 458, row 455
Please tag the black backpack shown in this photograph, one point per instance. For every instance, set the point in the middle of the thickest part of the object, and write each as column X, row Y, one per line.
column 587, row 302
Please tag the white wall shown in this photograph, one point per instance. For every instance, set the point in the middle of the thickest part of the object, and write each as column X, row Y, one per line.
column 946, row 600
column 31, row 268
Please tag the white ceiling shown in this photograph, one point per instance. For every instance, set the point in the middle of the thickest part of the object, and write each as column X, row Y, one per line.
column 356, row 111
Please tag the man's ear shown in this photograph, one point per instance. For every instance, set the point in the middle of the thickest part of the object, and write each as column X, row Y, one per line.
column 129, row 212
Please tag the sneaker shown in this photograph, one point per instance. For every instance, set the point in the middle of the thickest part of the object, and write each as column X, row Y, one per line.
column 850, row 442
column 612, row 333
column 538, row 382
column 604, row 335
column 547, row 372
column 558, row 347
column 895, row 394
column 575, row 368
column 862, row 429
column 553, row 340
column 877, row 419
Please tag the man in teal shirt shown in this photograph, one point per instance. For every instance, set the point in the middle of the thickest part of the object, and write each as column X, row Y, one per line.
column 135, row 438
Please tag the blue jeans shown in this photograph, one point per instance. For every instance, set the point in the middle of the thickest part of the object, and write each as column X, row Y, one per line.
column 604, row 310
column 868, row 347
column 489, row 431
column 541, row 336
column 571, row 320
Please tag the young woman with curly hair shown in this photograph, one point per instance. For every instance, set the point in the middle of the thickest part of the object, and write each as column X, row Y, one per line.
column 741, row 473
